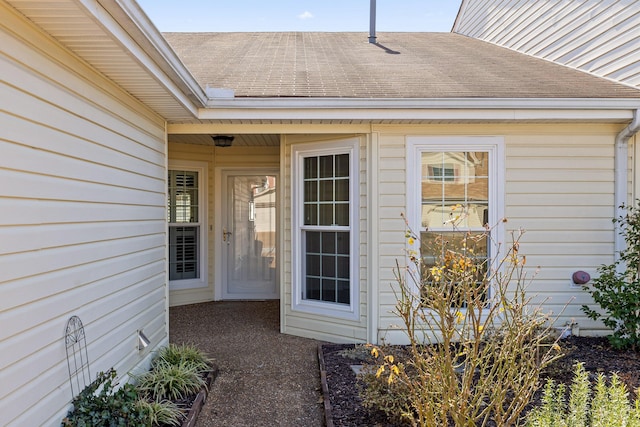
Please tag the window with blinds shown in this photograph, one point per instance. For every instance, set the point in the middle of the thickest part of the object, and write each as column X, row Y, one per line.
column 184, row 226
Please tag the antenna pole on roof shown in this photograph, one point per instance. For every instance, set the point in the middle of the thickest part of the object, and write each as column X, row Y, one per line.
column 372, row 22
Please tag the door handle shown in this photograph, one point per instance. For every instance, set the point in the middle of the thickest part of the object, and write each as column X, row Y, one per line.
column 225, row 235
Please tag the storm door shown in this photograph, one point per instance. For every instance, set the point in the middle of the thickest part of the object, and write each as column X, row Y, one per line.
column 249, row 255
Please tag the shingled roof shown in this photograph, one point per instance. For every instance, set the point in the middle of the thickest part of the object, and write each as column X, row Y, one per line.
column 400, row 65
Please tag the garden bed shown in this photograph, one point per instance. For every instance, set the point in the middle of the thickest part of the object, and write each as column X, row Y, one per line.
column 196, row 402
column 343, row 406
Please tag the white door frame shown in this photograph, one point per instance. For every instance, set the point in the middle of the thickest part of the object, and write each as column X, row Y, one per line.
column 218, row 221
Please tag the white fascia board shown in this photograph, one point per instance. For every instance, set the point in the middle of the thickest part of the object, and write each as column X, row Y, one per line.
column 448, row 103
column 131, row 27
column 420, row 109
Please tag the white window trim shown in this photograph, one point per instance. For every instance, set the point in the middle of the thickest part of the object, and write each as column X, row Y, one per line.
column 298, row 153
column 202, row 281
column 494, row 145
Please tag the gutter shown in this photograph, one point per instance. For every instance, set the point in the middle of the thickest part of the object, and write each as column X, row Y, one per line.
column 621, row 180
column 310, row 103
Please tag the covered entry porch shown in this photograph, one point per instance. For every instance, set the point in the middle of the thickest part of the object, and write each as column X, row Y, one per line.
column 255, row 227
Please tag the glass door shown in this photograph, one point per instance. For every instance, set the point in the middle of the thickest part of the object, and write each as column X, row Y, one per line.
column 249, row 236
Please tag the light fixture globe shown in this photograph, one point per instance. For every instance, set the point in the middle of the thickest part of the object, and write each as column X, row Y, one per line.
column 222, row 140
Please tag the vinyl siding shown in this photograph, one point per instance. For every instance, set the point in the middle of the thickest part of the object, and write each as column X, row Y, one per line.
column 309, row 325
column 230, row 157
column 82, row 223
column 559, row 189
column 593, row 36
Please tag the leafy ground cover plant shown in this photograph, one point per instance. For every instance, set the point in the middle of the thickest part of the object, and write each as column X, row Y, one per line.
column 477, row 343
column 101, row 404
column 617, row 288
column 163, row 413
column 185, row 353
column 177, row 372
column 608, row 405
column 167, row 381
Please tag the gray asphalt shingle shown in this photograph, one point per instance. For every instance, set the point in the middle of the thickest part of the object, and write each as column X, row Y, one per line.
column 401, row 65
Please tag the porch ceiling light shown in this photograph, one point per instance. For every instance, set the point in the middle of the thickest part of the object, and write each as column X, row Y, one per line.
column 222, row 140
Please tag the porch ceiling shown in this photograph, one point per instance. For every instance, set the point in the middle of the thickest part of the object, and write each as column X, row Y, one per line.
column 241, row 140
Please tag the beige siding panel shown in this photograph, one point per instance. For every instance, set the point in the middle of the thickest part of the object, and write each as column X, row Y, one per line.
column 559, row 189
column 325, row 329
column 565, row 208
column 306, row 324
column 82, row 225
column 593, row 36
column 391, row 226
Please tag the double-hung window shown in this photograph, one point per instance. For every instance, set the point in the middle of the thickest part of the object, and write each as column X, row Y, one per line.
column 454, row 196
column 186, row 218
column 324, row 242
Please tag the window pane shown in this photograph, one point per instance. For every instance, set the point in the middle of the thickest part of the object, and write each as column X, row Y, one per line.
column 326, row 167
column 454, row 189
column 329, row 290
column 310, row 167
column 311, row 214
column 326, row 215
column 343, row 267
column 342, row 165
column 326, row 191
column 183, row 196
column 342, row 190
column 478, row 189
column 183, row 252
column 478, row 215
column 313, row 288
column 342, row 243
column 344, row 296
column 448, row 251
column 434, row 245
column 342, row 214
column 329, row 243
column 313, row 265
column 311, row 191
column 313, row 241
column 329, row 265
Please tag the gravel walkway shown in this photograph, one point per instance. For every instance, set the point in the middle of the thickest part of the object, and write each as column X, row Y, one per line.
column 265, row 378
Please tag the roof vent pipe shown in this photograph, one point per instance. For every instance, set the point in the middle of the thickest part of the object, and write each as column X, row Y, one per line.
column 372, row 22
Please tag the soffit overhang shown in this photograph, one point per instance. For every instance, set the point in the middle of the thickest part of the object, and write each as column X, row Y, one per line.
column 117, row 39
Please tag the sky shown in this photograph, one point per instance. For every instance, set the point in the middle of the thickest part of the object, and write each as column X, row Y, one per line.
column 300, row 15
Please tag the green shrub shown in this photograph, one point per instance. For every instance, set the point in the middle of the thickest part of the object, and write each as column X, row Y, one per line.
column 100, row 405
column 609, row 405
column 176, row 373
column 170, row 381
column 175, row 354
column 164, row 413
column 617, row 288
column 477, row 343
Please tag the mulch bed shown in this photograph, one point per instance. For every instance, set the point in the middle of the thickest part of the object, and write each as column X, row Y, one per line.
column 345, row 407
